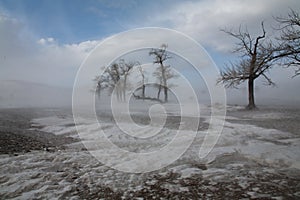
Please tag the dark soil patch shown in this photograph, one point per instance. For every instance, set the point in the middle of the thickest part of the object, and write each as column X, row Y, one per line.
column 15, row 136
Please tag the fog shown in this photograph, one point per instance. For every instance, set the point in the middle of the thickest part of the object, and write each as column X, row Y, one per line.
column 15, row 94
column 40, row 72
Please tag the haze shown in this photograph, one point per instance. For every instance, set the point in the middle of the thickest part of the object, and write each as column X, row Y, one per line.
column 44, row 43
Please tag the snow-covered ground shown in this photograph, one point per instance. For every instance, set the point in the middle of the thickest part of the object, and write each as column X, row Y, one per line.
column 248, row 161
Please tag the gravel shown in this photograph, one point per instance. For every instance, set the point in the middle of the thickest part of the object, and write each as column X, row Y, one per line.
column 16, row 136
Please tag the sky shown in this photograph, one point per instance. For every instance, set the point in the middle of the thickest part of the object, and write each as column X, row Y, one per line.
column 46, row 41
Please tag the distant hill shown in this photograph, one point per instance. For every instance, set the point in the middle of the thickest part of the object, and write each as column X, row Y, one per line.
column 27, row 94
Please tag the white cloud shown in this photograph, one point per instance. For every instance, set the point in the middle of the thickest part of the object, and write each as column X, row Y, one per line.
column 46, row 41
column 44, row 60
column 204, row 19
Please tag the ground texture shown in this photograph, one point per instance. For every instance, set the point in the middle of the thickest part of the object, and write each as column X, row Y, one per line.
column 257, row 157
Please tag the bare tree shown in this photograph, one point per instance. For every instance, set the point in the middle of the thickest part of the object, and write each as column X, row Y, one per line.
column 257, row 56
column 115, row 78
column 102, row 83
column 163, row 71
column 290, row 39
column 125, row 68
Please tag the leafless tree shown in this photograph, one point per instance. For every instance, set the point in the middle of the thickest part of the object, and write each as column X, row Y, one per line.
column 102, row 83
column 163, row 71
column 125, row 68
column 115, row 78
column 290, row 39
column 257, row 56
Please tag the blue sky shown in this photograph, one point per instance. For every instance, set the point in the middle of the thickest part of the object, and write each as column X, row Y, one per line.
column 45, row 41
column 77, row 20
column 67, row 21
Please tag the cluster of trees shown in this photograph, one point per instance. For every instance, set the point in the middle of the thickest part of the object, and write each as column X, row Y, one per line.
column 259, row 54
column 115, row 76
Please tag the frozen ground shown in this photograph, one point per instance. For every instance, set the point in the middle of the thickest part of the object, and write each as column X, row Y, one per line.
column 257, row 156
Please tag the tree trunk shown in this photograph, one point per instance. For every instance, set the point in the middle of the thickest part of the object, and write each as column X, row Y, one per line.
column 159, row 90
column 124, row 87
column 143, row 90
column 99, row 95
column 251, row 104
column 166, row 93
column 164, row 80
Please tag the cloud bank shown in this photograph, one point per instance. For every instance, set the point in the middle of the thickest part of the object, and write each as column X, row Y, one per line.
column 203, row 19
column 25, row 56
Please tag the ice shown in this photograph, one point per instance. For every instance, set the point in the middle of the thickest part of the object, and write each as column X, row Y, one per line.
column 188, row 172
column 265, row 145
column 245, row 158
column 270, row 115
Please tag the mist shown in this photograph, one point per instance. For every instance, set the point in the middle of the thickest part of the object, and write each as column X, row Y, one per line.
column 22, row 94
column 40, row 71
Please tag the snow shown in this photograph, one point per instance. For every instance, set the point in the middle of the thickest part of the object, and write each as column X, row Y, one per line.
column 53, row 175
column 265, row 145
